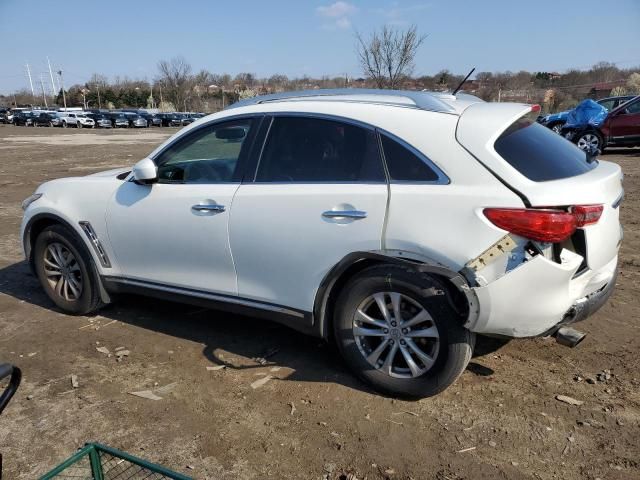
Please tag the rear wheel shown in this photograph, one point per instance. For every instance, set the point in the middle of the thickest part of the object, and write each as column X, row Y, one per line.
column 65, row 270
column 396, row 329
column 78, row 125
column 64, row 124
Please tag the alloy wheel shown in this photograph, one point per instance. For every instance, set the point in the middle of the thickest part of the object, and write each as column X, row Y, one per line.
column 63, row 271
column 588, row 141
column 396, row 334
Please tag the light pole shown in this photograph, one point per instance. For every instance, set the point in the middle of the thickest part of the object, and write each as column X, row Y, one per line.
column 64, row 97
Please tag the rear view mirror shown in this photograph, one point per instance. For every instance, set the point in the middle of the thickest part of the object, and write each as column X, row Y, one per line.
column 230, row 133
column 145, row 172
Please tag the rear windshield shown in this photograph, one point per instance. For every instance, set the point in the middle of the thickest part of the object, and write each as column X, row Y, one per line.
column 540, row 154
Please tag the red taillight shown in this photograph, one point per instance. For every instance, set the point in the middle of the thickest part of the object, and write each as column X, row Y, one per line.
column 587, row 214
column 543, row 225
column 535, row 108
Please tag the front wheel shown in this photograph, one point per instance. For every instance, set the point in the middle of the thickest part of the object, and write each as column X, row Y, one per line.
column 556, row 128
column 397, row 330
column 65, row 270
column 591, row 141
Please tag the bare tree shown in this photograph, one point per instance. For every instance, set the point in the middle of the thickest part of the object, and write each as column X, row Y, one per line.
column 387, row 56
column 176, row 79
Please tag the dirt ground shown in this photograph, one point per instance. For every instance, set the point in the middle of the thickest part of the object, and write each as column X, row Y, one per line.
column 312, row 419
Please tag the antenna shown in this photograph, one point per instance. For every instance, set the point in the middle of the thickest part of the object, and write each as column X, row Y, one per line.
column 462, row 82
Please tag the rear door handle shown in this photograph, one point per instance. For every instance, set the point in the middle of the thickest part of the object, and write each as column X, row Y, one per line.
column 356, row 214
column 208, row 208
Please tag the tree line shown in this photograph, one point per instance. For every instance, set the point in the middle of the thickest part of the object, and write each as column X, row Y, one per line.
column 387, row 59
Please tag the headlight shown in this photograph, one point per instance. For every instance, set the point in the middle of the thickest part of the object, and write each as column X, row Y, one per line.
column 29, row 200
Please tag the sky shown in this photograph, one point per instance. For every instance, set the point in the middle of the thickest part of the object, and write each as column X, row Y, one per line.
column 315, row 38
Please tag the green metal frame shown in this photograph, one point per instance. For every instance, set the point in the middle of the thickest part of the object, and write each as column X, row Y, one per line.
column 92, row 451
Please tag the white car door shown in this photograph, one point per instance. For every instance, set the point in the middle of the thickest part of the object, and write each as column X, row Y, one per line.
column 319, row 194
column 175, row 231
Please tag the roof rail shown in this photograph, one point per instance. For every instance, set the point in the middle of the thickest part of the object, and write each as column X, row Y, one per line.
column 422, row 100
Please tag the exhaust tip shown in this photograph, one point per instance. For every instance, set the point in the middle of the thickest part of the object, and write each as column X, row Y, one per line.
column 569, row 337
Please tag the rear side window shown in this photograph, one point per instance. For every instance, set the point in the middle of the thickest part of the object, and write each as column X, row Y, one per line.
column 405, row 165
column 301, row 149
column 540, row 154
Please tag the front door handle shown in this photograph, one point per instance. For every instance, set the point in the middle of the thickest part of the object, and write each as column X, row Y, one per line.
column 208, row 208
column 356, row 214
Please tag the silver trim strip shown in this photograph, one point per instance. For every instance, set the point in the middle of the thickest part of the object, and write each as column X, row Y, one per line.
column 618, row 201
column 405, row 98
column 209, row 296
column 95, row 243
column 208, row 208
column 357, row 214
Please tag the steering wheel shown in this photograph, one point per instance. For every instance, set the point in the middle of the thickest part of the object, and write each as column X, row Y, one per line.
column 200, row 170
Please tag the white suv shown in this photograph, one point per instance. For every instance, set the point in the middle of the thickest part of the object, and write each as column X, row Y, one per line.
column 397, row 224
column 78, row 120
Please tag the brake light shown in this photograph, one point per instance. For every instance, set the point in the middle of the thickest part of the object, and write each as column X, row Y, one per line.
column 544, row 225
column 535, row 108
column 587, row 214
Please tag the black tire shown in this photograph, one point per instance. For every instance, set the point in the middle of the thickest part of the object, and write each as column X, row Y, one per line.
column 455, row 342
column 64, row 124
column 88, row 299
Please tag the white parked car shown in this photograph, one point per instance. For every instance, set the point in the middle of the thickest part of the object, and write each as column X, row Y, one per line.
column 397, row 224
column 78, row 120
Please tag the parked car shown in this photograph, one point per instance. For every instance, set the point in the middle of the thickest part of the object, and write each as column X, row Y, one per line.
column 340, row 217
column 171, row 119
column 118, row 120
column 100, row 120
column 56, row 120
column 23, row 118
column 138, row 121
column 618, row 128
column 155, row 120
column 148, row 117
column 555, row 121
column 44, row 119
column 4, row 117
column 78, row 120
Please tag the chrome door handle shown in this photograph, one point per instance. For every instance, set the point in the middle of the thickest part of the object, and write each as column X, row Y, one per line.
column 208, row 208
column 345, row 214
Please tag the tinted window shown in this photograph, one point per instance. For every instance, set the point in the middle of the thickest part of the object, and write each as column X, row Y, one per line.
column 608, row 104
column 209, row 155
column 405, row 165
column 633, row 108
column 539, row 154
column 319, row 150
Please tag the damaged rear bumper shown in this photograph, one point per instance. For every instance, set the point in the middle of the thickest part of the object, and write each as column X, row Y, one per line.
column 540, row 295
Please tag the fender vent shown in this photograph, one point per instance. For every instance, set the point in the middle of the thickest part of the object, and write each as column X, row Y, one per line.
column 95, row 243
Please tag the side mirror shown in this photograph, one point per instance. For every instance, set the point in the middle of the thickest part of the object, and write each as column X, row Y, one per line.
column 145, row 172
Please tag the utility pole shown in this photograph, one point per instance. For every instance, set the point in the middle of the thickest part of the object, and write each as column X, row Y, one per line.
column 161, row 102
column 33, row 95
column 44, row 96
column 151, row 84
column 98, row 89
column 53, row 86
column 64, row 97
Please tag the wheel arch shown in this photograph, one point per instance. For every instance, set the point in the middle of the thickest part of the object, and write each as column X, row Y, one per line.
column 37, row 224
column 464, row 300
